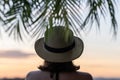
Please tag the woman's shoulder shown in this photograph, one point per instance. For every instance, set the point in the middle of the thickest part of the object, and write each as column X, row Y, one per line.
column 35, row 75
column 85, row 75
column 31, row 75
column 78, row 75
column 75, row 76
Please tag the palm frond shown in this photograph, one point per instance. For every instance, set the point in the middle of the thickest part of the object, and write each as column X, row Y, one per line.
column 112, row 12
column 36, row 15
column 98, row 8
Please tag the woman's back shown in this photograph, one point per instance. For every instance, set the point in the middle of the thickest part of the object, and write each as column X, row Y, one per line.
column 43, row 75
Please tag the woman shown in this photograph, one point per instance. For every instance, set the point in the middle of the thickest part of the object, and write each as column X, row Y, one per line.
column 58, row 51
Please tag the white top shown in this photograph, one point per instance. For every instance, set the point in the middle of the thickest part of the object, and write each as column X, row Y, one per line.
column 42, row 75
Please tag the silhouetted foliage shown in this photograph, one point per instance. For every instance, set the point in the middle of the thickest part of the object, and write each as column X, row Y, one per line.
column 32, row 16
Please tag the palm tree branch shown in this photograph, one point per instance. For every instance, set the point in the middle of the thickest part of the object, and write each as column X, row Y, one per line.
column 35, row 14
column 112, row 12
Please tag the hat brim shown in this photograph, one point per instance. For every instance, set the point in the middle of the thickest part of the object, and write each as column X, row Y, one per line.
column 59, row 57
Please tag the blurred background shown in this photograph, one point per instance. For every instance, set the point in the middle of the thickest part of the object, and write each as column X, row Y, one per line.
column 101, row 55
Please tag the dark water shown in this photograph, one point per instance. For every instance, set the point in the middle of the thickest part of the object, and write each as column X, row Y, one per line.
column 12, row 79
column 106, row 78
column 94, row 79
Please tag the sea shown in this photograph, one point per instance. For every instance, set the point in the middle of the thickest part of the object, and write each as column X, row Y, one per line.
column 106, row 79
column 93, row 79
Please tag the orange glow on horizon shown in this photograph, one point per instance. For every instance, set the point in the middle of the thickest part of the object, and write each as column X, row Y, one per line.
column 19, row 68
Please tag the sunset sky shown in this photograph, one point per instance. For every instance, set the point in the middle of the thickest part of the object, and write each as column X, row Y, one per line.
column 101, row 55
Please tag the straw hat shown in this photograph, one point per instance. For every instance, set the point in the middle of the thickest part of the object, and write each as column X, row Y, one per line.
column 59, row 45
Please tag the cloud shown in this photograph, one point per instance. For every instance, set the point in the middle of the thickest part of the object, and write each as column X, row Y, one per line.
column 15, row 54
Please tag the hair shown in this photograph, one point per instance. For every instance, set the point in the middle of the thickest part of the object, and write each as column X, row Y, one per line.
column 59, row 67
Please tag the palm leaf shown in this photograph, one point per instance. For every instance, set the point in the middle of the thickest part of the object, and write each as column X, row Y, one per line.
column 35, row 15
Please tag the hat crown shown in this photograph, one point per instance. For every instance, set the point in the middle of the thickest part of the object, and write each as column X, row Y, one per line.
column 59, row 45
column 58, row 37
